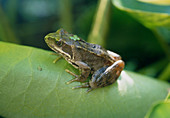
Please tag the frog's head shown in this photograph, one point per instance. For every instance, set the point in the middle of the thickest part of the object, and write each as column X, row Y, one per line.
column 61, row 42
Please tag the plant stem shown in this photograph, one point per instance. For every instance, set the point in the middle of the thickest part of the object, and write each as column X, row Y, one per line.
column 66, row 20
column 6, row 32
column 100, row 24
column 165, row 75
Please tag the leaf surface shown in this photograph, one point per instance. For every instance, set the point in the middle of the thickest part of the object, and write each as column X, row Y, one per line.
column 32, row 86
column 160, row 110
column 154, row 16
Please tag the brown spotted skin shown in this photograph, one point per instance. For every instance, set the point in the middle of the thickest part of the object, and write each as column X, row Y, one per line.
column 104, row 65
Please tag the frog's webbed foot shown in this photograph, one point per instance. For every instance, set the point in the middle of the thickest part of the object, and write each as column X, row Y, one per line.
column 77, row 78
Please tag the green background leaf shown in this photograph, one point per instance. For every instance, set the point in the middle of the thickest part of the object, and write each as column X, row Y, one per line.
column 160, row 110
column 159, row 2
column 32, row 86
column 156, row 17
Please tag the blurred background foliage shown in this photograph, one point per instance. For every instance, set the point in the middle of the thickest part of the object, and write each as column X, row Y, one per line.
column 26, row 22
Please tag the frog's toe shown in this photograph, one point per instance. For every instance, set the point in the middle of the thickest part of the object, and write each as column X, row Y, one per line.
column 71, row 73
column 73, row 80
column 89, row 90
column 81, row 86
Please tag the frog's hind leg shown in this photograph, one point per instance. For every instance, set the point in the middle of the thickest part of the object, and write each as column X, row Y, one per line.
column 87, row 85
column 106, row 76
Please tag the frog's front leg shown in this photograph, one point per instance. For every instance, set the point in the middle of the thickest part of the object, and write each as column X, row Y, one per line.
column 106, row 75
column 58, row 57
column 85, row 71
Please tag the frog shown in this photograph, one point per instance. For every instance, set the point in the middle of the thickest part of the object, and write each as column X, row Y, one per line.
column 103, row 65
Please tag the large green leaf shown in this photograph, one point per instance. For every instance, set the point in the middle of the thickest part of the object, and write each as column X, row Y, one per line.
column 31, row 86
column 160, row 110
column 154, row 16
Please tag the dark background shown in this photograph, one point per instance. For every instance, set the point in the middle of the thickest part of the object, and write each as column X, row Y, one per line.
column 30, row 20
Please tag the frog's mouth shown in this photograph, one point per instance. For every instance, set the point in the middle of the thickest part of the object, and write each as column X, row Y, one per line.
column 61, row 52
column 52, row 44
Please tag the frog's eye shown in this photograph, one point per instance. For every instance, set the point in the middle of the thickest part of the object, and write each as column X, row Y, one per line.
column 59, row 43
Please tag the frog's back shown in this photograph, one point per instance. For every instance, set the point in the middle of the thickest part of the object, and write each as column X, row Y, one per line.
column 91, row 48
column 92, row 54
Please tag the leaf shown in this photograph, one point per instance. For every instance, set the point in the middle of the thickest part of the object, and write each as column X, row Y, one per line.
column 160, row 110
column 159, row 2
column 31, row 86
column 154, row 17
